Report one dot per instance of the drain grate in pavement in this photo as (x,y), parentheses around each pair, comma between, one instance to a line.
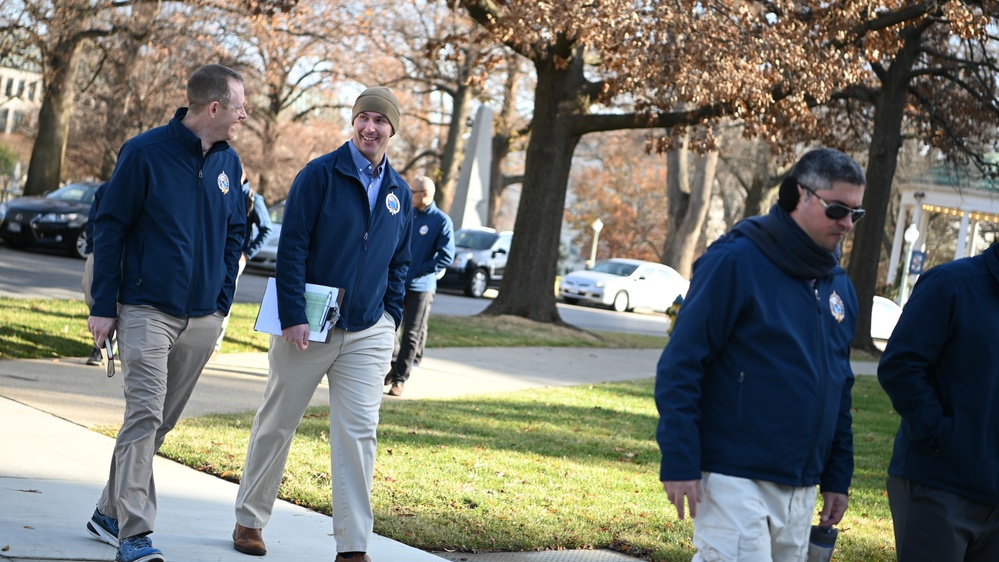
(543,556)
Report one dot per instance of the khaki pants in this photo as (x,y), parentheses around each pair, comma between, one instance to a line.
(354,364)
(162,357)
(742,520)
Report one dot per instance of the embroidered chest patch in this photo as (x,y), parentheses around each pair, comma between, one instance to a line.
(392,203)
(224,183)
(837,307)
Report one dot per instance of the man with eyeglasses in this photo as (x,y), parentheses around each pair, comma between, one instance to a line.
(432,249)
(753,388)
(168,234)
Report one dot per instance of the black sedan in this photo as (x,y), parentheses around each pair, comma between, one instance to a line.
(57,220)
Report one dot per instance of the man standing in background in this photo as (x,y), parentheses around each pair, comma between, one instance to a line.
(258,231)
(432,249)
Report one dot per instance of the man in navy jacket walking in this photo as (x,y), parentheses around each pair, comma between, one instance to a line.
(940,369)
(753,388)
(347,224)
(167,238)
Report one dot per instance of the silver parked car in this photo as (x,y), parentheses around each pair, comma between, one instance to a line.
(480,256)
(266,256)
(624,285)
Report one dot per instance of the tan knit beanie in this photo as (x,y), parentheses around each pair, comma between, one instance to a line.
(380,100)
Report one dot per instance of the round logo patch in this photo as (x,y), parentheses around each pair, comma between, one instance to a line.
(424,230)
(224,183)
(392,203)
(836,306)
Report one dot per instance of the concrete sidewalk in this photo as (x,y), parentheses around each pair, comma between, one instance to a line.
(52,468)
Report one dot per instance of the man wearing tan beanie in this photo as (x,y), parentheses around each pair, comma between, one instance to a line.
(347,224)
(378,100)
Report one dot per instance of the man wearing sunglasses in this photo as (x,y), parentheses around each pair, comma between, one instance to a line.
(753,388)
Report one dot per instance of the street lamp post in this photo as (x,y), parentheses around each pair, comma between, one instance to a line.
(910,237)
(597,225)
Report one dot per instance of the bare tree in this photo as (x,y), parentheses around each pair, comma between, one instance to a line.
(689,193)
(294,60)
(780,63)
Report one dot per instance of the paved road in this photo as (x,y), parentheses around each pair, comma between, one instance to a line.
(50,275)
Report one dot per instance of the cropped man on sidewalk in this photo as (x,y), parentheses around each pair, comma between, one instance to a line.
(940,370)
(167,239)
(347,224)
(432,249)
(96,355)
(753,388)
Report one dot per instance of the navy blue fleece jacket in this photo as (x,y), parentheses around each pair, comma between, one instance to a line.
(169,229)
(941,370)
(755,381)
(330,237)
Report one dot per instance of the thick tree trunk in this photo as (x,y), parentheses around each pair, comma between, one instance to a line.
(688,199)
(886,140)
(49,151)
(761,185)
(528,284)
(454,148)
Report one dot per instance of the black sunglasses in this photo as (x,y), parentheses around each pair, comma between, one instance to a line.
(836,211)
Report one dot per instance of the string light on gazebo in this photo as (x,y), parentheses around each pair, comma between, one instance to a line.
(988,217)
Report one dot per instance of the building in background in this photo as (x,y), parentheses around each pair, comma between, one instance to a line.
(20,98)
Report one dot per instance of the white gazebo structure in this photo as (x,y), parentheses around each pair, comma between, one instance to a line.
(970,202)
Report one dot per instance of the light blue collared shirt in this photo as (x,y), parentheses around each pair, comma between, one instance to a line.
(371,176)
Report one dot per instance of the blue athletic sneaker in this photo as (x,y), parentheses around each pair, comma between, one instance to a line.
(138,549)
(103,528)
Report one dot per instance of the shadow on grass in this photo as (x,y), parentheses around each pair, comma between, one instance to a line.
(557,468)
(38,328)
(22,341)
(528,424)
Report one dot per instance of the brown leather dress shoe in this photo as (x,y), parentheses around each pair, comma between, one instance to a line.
(356,558)
(248,541)
(397,388)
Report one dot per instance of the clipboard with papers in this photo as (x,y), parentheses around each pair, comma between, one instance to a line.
(322,308)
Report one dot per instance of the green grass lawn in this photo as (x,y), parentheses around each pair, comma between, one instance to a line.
(556,468)
(52,328)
